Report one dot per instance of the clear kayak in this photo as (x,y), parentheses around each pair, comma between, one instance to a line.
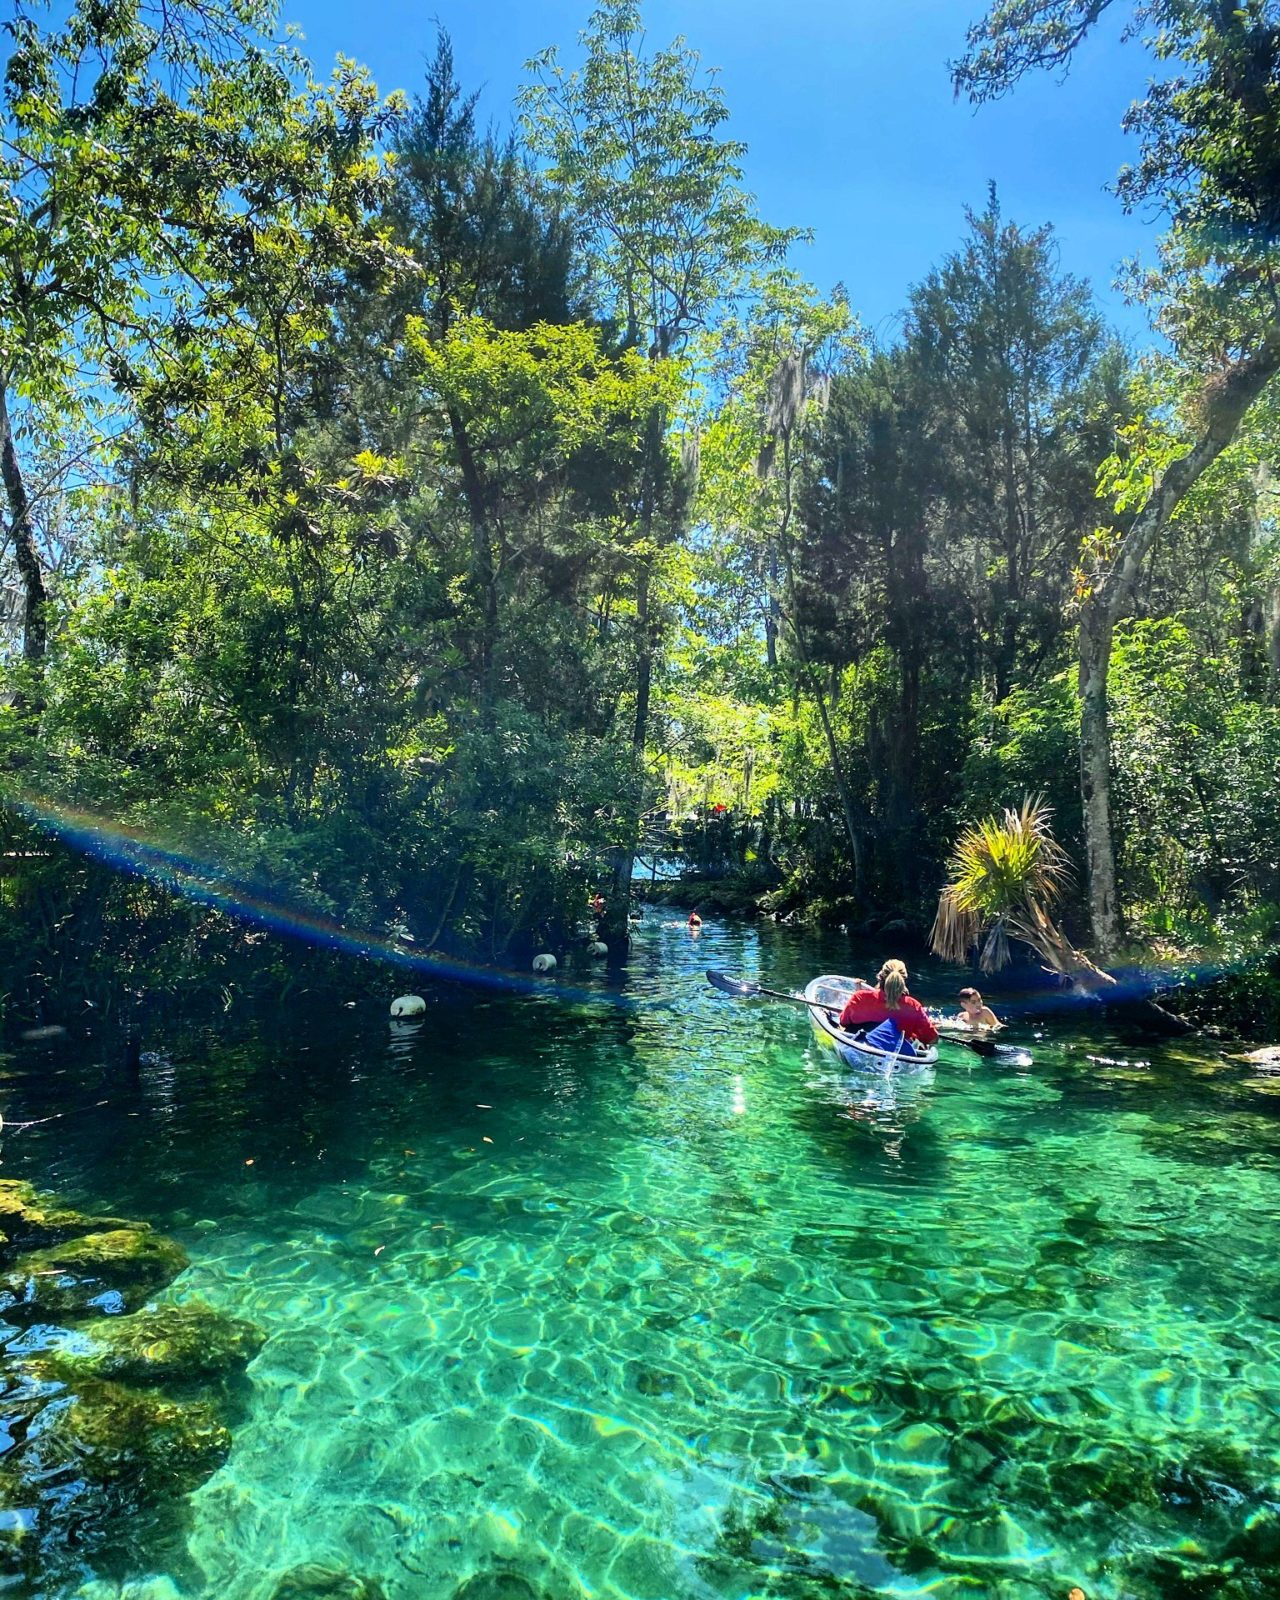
(826,997)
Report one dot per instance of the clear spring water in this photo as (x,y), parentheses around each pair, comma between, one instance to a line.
(654,1302)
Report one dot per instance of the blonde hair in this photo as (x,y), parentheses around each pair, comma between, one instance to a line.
(892,978)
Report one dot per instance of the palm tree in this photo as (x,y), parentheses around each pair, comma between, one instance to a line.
(1004,877)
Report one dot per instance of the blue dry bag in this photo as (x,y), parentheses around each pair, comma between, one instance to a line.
(887,1035)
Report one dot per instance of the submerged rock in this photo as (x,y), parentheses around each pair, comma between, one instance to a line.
(91,1459)
(29,1221)
(165,1344)
(88,1462)
(150,1446)
(496,1586)
(131,1254)
(1268,1056)
(112,1271)
(88,1443)
(315,1582)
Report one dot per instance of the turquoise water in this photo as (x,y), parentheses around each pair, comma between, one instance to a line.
(654,1301)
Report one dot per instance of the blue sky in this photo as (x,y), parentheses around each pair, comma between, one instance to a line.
(847,110)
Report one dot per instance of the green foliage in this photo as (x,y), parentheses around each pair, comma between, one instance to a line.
(1029,744)
(548,392)
(768,376)
(944,494)
(351,643)
(1198,768)
(413,532)
(1005,874)
(488,238)
(717,748)
(1196,773)
(634,141)
(180,206)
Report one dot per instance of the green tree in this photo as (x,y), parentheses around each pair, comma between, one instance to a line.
(1025,391)
(634,141)
(947,493)
(1210,133)
(767,368)
(157,173)
(488,241)
(770,368)
(862,601)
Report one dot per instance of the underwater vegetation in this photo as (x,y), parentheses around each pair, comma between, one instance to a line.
(113,1407)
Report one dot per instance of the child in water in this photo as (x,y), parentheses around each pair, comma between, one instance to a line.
(974,1014)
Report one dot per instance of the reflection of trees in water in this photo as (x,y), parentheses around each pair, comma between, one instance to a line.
(309,1098)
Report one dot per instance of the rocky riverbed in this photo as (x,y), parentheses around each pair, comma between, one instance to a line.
(114,1405)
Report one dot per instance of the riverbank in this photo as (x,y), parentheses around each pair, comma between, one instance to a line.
(1241,1001)
(749,897)
(723,897)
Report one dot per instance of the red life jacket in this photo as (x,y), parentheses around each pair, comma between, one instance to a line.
(865,1007)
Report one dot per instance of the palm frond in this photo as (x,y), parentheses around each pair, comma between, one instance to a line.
(995,948)
(1003,875)
(955,929)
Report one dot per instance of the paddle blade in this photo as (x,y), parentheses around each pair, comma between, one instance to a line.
(738,987)
(1011,1054)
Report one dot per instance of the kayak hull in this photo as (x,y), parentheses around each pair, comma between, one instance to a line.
(828,993)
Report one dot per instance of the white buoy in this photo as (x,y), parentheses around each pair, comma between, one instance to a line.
(408,1005)
(544,963)
(598,947)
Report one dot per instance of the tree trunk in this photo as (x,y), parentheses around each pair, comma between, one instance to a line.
(842,787)
(1095,779)
(614,924)
(1007,649)
(655,432)
(644,663)
(1059,955)
(906,747)
(482,570)
(810,679)
(35,624)
(907,593)
(773,611)
(1080,974)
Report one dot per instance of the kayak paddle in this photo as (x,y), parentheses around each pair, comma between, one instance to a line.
(744,989)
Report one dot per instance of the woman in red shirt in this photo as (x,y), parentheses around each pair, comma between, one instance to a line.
(889,1002)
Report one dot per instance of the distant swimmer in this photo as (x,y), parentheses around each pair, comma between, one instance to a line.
(695,921)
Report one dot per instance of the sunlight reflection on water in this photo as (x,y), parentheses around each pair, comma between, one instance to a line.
(657,1301)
